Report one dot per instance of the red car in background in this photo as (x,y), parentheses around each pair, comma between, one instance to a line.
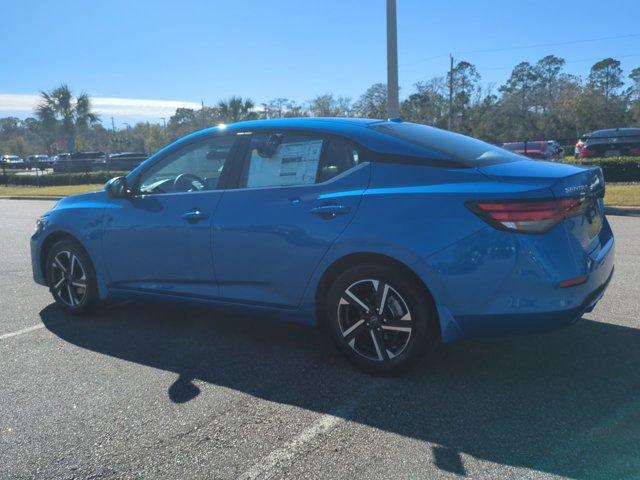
(537,149)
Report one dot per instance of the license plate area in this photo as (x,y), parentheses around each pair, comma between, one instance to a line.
(593,217)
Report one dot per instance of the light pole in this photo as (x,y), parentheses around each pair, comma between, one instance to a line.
(393,103)
(164,127)
(113,136)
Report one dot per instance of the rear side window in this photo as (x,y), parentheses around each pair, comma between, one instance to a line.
(286,159)
(467,151)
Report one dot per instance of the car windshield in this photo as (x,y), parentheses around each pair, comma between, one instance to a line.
(466,150)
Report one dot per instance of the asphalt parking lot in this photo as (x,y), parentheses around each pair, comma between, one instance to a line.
(153,391)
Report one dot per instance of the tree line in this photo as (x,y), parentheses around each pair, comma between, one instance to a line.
(537,101)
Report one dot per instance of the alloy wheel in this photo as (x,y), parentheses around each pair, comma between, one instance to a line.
(68,278)
(374,319)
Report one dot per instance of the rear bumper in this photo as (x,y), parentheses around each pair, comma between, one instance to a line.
(496,284)
(504,324)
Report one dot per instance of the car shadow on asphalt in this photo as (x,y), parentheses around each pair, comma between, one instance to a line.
(565,402)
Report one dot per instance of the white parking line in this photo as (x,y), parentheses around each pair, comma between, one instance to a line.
(270,465)
(20,332)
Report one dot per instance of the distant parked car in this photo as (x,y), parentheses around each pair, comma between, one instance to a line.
(76,162)
(61,157)
(537,149)
(612,142)
(556,149)
(13,161)
(39,161)
(123,162)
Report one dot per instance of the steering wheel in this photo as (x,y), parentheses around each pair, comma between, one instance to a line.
(189,182)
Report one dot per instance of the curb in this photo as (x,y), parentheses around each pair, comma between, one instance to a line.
(623,211)
(33,197)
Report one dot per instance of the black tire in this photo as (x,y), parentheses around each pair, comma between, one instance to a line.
(68,268)
(387,343)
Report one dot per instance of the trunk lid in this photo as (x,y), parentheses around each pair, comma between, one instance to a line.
(562,181)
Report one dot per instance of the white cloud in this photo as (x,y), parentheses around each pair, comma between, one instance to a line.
(104,106)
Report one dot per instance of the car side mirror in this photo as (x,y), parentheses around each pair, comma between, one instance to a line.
(117,188)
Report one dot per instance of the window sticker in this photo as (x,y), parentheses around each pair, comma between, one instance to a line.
(292,164)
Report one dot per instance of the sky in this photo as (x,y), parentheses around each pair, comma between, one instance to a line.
(142,59)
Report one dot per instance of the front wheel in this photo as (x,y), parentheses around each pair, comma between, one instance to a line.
(380,318)
(71,277)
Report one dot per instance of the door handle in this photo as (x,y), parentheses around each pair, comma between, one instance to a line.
(194,216)
(330,210)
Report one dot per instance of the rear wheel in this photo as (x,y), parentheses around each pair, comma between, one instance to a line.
(381,320)
(71,277)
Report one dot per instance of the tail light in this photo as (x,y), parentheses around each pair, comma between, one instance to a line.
(527,216)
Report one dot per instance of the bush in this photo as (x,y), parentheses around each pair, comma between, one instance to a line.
(569,150)
(615,169)
(55,179)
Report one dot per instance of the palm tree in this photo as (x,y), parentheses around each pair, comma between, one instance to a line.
(236,109)
(59,111)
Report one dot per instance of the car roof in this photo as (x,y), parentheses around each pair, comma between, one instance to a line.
(355,129)
(118,154)
(81,153)
(340,125)
(528,142)
(293,122)
(615,131)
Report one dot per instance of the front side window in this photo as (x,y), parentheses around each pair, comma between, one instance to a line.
(195,167)
(286,159)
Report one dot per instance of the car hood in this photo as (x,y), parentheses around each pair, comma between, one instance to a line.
(83,200)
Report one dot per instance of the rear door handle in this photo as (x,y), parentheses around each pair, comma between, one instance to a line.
(195,215)
(330,211)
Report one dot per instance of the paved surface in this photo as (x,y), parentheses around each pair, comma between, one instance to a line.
(143,391)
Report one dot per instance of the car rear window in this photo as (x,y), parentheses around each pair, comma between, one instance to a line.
(460,148)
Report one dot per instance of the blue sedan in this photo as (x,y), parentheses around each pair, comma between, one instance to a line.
(392,235)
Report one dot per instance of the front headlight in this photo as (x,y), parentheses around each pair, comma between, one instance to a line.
(41,223)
